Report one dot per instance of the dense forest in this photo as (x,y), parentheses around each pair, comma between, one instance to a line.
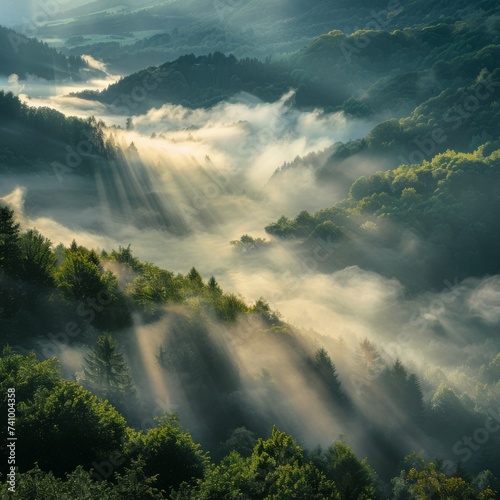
(25,57)
(51,133)
(447,205)
(175,324)
(130,38)
(43,287)
(393,71)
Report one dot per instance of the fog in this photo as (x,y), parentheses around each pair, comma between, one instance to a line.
(28,13)
(198,179)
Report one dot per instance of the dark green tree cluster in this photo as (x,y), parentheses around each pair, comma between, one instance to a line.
(78,446)
(107,374)
(448,202)
(395,70)
(201,81)
(25,56)
(73,144)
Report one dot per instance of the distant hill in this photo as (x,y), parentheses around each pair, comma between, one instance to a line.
(28,56)
(364,73)
(195,82)
(253,28)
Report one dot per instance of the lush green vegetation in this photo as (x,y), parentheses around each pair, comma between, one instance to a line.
(448,203)
(25,56)
(74,144)
(44,287)
(98,456)
(369,71)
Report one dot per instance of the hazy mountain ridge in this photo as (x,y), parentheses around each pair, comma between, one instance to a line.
(242,30)
(399,274)
(394,72)
(27,56)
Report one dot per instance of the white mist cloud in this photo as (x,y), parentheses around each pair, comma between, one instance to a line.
(256,137)
(485,301)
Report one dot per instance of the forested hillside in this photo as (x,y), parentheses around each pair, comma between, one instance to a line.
(370,71)
(246,29)
(43,287)
(174,324)
(25,56)
(447,205)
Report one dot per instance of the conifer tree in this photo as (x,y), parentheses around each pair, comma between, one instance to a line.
(106,373)
(9,238)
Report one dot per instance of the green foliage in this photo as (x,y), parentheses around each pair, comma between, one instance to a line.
(39,485)
(27,374)
(195,278)
(249,244)
(169,453)
(73,421)
(228,307)
(9,238)
(275,470)
(154,286)
(353,478)
(53,140)
(22,56)
(53,414)
(37,262)
(80,275)
(327,377)
(106,373)
(124,256)
(327,231)
(241,440)
(427,481)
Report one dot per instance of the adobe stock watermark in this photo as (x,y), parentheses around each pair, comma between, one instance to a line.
(103,470)
(125,104)
(379,21)
(453,119)
(42,12)
(87,310)
(75,155)
(224,8)
(465,448)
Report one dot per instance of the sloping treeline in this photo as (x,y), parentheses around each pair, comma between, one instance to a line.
(447,204)
(43,288)
(367,72)
(25,56)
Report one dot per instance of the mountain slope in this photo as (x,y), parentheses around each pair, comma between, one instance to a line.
(367,72)
(246,29)
(27,56)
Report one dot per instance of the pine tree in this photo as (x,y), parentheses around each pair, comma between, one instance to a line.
(327,369)
(9,238)
(368,366)
(195,277)
(107,373)
(214,286)
(328,374)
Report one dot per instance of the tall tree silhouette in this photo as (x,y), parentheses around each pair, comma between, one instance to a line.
(107,373)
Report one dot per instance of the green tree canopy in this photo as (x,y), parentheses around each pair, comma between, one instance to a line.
(107,373)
